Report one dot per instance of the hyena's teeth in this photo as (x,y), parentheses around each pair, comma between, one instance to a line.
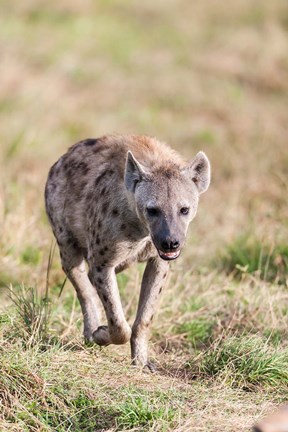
(169,255)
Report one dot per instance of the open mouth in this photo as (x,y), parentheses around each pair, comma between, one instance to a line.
(169,255)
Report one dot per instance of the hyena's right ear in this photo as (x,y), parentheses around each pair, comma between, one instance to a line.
(134,172)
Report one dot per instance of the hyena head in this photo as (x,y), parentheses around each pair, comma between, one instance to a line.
(166,199)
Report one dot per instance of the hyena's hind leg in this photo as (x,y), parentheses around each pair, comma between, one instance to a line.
(74,266)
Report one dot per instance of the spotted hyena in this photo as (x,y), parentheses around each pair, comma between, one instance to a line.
(114,201)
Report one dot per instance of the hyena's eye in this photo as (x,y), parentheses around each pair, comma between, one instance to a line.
(184,210)
(153,211)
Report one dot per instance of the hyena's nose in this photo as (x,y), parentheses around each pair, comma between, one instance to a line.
(169,245)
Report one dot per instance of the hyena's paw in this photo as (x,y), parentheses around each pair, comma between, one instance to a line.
(140,360)
(120,334)
(101,336)
(139,354)
(148,366)
(88,336)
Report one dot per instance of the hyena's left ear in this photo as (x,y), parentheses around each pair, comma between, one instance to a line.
(199,171)
(134,172)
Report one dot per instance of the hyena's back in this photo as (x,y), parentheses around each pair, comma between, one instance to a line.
(86,182)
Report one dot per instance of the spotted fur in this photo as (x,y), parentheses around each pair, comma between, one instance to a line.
(114,201)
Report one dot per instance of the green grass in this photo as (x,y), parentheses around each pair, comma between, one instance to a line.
(246,362)
(197,332)
(48,391)
(140,410)
(275,336)
(59,406)
(247,254)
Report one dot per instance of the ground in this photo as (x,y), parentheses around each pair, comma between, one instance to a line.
(201,75)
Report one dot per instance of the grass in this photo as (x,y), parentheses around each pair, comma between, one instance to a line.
(36,393)
(140,410)
(213,79)
(197,332)
(246,362)
(60,406)
(249,255)
(32,315)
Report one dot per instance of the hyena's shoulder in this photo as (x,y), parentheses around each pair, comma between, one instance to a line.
(86,156)
(87,162)
(82,161)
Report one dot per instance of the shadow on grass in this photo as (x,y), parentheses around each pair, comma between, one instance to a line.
(182,373)
(90,419)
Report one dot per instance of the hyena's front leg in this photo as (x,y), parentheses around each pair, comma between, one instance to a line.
(153,280)
(118,330)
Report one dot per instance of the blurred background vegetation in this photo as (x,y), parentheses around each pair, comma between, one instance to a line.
(206,75)
(199,75)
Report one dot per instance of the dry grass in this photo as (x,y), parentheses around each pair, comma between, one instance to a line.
(199,75)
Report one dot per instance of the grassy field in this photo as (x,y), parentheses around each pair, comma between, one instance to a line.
(200,75)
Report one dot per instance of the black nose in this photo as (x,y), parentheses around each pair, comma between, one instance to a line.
(169,245)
